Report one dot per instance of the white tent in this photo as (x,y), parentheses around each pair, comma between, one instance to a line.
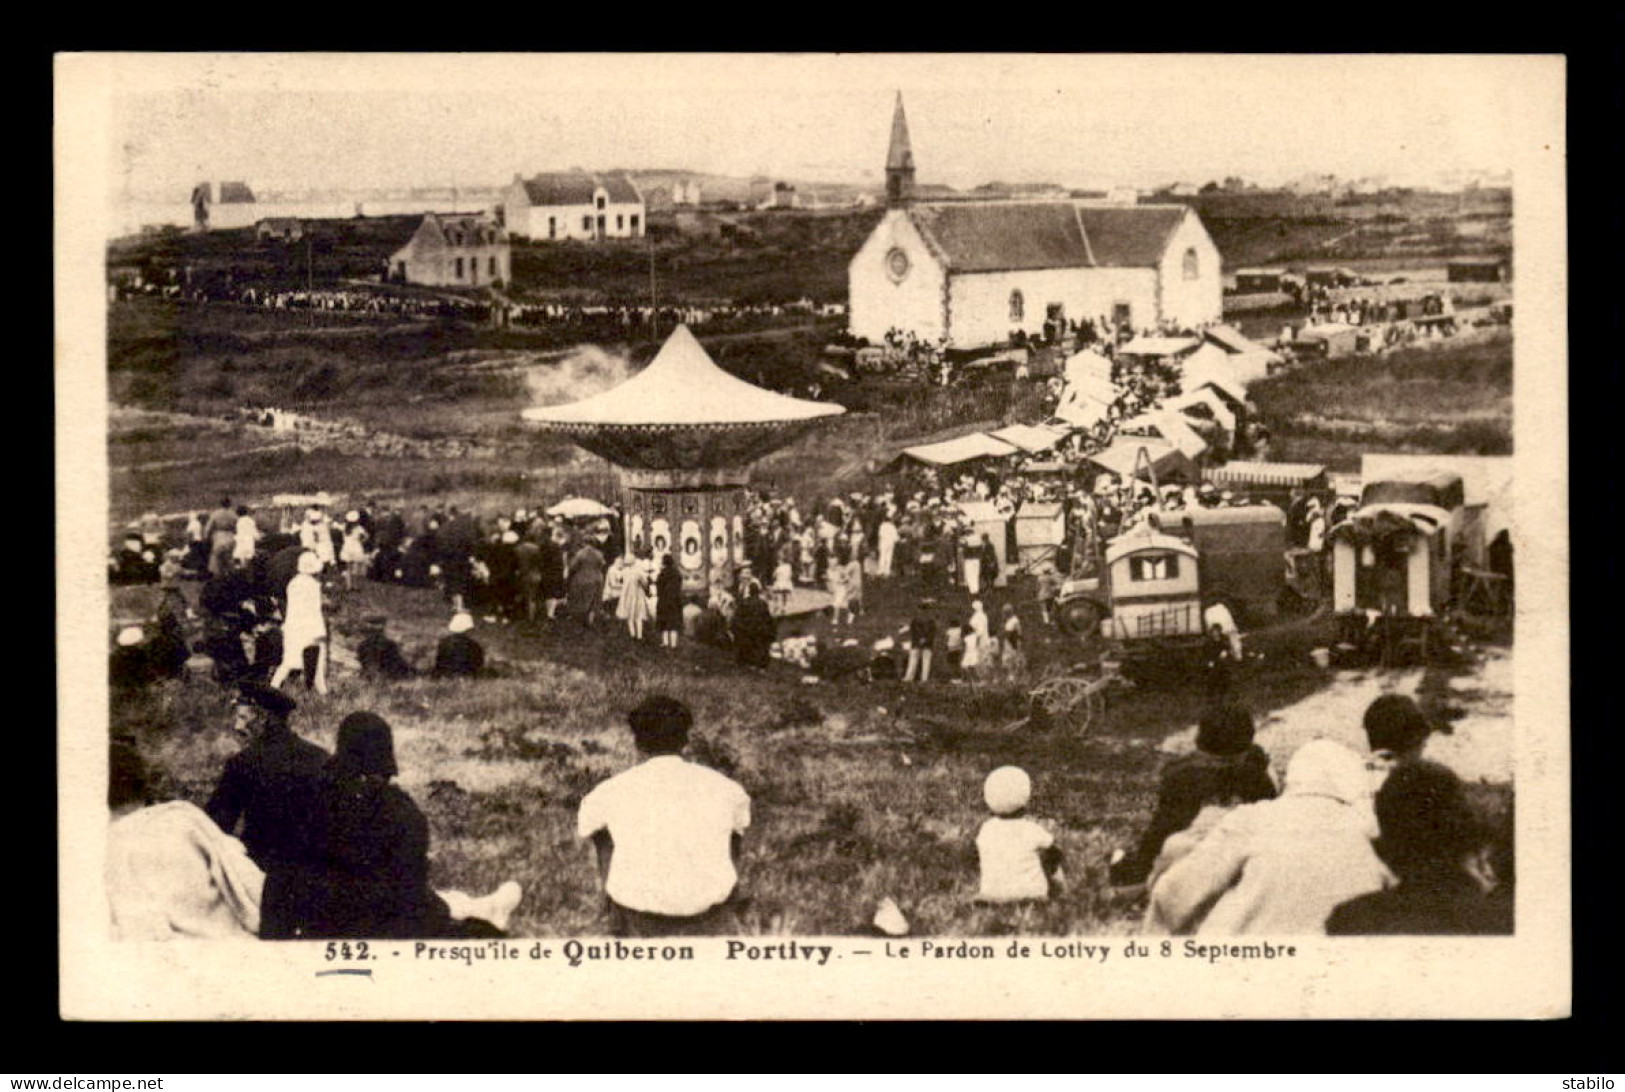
(1169,426)
(1082,412)
(1221,412)
(1233,341)
(1031,438)
(1211,362)
(977,445)
(1087,364)
(1160,346)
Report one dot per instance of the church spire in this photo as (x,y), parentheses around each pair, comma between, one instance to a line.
(899,160)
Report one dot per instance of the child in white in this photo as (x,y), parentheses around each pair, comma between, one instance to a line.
(1018,857)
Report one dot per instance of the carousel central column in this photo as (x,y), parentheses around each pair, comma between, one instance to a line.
(698,516)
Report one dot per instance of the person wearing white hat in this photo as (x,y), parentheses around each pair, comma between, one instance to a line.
(354,552)
(1018,857)
(458,655)
(304,629)
(316,535)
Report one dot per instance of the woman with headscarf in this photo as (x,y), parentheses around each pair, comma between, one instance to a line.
(304,629)
(1279,866)
(586,582)
(635,607)
(370,848)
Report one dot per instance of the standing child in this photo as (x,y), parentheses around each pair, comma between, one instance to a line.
(1019,858)
(783,584)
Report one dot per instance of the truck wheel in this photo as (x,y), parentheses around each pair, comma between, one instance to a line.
(1081,618)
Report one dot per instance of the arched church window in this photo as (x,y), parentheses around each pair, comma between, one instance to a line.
(1192,266)
(1018,306)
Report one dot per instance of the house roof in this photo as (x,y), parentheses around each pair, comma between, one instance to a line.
(236,193)
(578,188)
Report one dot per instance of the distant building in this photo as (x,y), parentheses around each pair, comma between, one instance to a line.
(453,250)
(685,192)
(286,229)
(223,206)
(781,196)
(977,271)
(573,205)
(1477,270)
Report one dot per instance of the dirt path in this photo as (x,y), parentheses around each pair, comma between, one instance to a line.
(1478,747)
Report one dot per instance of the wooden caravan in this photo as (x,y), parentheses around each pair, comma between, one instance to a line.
(1155,588)
(1040,531)
(1397,553)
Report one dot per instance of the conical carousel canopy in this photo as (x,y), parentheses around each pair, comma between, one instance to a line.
(682,412)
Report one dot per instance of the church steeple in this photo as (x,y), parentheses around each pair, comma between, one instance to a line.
(899,160)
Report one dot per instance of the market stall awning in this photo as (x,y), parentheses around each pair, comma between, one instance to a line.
(1247,472)
(1233,341)
(1160,346)
(1170,427)
(1165,458)
(962,449)
(1031,438)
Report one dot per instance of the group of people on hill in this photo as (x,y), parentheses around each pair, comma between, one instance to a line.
(294,843)
(1387,844)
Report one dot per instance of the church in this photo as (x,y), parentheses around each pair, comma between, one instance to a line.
(975,272)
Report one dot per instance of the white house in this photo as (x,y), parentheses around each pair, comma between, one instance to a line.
(228,205)
(466,249)
(976,272)
(573,205)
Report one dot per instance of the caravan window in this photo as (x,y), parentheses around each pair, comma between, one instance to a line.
(1153,567)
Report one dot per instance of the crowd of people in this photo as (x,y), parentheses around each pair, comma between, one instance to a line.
(296,843)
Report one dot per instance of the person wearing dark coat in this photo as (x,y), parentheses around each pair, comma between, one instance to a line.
(553,586)
(755,629)
(388,538)
(381,657)
(270,785)
(1432,841)
(669,602)
(170,650)
(368,872)
(459,656)
(1228,768)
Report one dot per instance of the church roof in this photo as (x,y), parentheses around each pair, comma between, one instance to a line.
(977,238)
(681,387)
(1133,235)
(984,237)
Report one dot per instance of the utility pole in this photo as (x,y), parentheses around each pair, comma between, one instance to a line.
(654,298)
(310,293)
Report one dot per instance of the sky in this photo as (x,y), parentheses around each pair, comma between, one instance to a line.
(360,121)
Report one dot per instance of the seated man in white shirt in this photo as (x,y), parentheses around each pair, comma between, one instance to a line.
(666,833)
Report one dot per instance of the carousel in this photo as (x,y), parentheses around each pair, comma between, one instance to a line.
(684,434)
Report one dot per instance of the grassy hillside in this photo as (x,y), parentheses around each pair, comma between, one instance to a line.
(1454,399)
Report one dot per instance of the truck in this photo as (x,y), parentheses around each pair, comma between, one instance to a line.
(1151,588)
